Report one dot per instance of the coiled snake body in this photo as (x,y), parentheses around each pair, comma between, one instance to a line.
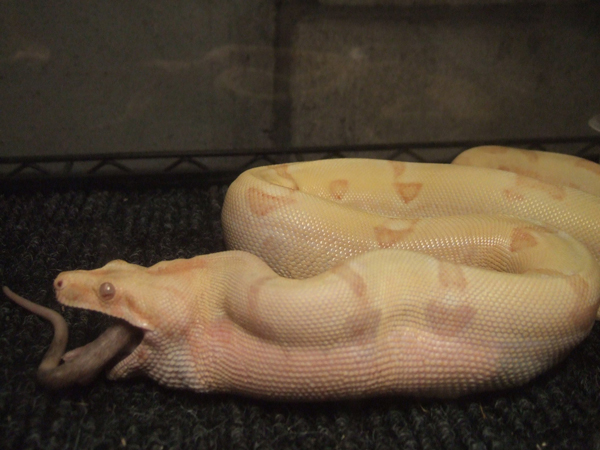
(354,277)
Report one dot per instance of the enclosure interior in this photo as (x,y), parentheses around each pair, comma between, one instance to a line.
(122,124)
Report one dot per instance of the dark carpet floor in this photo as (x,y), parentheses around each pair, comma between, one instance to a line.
(47,230)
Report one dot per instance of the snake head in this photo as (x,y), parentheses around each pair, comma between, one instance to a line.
(118,289)
(149,298)
(164,301)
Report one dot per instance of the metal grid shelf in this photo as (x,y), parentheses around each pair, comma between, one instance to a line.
(211,166)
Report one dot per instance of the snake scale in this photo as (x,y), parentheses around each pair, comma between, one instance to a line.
(358,277)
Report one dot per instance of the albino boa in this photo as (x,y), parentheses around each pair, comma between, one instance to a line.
(425,279)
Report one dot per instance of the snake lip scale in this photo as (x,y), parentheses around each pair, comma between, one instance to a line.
(352,278)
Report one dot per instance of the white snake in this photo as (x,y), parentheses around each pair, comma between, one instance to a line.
(420,279)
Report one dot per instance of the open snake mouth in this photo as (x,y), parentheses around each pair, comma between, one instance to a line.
(82,365)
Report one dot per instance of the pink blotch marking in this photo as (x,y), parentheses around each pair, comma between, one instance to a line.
(338,188)
(579,285)
(531,155)
(398,167)
(583,313)
(513,195)
(178,265)
(496,150)
(388,238)
(520,171)
(521,239)
(364,321)
(448,320)
(271,245)
(407,191)
(354,280)
(219,330)
(451,276)
(556,192)
(261,203)
(282,171)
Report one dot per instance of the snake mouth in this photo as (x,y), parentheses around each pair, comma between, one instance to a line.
(82,365)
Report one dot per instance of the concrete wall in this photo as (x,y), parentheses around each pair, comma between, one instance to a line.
(412,3)
(109,76)
(428,74)
(104,76)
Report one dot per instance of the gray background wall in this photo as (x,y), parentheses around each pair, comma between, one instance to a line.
(109,76)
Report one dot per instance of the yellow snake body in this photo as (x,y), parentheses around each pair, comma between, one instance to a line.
(363,277)
(504,281)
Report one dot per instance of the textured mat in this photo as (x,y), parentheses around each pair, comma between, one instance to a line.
(45,232)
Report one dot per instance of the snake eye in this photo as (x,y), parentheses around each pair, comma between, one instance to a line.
(107,291)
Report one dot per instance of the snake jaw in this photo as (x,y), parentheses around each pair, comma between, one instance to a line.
(84,290)
(156,302)
(60,370)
